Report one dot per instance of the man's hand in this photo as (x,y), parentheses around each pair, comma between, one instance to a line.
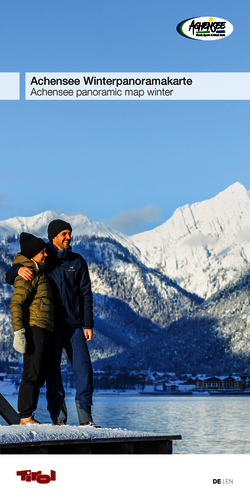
(26,273)
(88,334)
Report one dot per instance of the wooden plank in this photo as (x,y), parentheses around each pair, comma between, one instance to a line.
(7,412)
(115,446)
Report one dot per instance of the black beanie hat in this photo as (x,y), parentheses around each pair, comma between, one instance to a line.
(56,226)
(30,245)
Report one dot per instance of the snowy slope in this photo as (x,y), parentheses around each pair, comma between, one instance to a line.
(204,245)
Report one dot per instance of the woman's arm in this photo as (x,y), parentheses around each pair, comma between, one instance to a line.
(20,302)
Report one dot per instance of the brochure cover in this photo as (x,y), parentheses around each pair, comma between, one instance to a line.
(129,121)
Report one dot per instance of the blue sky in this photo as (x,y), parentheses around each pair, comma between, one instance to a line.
(128,163)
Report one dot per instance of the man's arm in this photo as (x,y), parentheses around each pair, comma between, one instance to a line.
(18,269)
(85,287)
(12,274)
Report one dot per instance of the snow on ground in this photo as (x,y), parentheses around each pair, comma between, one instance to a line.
(34,433)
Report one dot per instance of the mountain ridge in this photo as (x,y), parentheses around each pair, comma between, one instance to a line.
(203,245)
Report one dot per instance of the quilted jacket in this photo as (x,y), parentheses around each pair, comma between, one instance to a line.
(32,301)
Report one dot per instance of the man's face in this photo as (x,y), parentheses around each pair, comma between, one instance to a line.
(41,256)
(62,240)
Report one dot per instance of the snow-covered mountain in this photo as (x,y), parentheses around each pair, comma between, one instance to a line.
(145,315)
(81,225)
(202,246)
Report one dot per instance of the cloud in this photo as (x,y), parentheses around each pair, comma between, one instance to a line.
(129,221)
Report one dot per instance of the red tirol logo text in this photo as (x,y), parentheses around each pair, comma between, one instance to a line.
(28,476)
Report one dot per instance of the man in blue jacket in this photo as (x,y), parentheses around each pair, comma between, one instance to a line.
(73,304)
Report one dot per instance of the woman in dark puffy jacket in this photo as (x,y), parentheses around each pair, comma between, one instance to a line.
(32,315)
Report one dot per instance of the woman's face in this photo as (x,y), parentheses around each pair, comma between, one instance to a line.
(41,256)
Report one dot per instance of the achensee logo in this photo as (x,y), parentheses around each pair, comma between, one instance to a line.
(205,28)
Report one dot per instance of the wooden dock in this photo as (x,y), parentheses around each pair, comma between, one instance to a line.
(7,412)
(154,444)
(99,446)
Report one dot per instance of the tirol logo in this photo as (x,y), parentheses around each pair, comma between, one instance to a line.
(28,476)
(205,28)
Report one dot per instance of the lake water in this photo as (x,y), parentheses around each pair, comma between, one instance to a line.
(207,424)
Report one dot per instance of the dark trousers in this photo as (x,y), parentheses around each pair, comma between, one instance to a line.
(35,369)
(75,345)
